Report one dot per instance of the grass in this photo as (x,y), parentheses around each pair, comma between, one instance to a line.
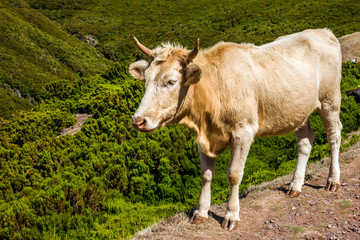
(350,141)
(343,212)
(276,208)
(346,203)
(295,229)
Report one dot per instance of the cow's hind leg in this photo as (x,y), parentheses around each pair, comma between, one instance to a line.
(241,142)
(207,171)
(333,128)
(305,137)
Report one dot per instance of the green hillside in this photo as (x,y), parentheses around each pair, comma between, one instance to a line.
(43,40)
(34,51)
(109,180)
(113,22)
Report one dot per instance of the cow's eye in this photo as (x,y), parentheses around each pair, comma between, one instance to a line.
(169,83)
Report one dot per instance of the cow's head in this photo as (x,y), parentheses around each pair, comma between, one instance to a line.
(167,79)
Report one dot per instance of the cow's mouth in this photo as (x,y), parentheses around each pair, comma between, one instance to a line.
(147,125)
(147,130)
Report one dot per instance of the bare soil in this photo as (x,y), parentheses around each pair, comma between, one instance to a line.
(81,118)
(267,214)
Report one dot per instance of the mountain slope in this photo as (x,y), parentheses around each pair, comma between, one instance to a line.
(34,51)
(113,22)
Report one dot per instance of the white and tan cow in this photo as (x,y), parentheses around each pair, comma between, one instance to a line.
(231,93)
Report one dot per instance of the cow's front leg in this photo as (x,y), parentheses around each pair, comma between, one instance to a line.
(241,142)
(207,171)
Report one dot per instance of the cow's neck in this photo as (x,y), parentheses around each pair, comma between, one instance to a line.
(203,113)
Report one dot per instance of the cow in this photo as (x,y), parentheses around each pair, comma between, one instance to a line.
(231,93)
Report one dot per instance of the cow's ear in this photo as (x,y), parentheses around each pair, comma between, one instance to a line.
(193,74)
(137,69)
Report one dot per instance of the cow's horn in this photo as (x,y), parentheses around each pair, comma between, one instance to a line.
(194,52)
(144,49)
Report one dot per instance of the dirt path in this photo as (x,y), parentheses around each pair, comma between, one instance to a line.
(81,118)
(267,214)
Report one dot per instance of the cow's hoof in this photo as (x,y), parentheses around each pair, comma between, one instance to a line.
(229,225)
(198,220)
(332,187)
(292,193)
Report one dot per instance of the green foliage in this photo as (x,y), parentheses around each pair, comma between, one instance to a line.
(58,178)
(44,41)
(113,22)
(109,181)
(350,110)
(35,51)
(11,103)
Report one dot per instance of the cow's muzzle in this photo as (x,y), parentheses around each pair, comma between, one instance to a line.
(144,124)
(139,123)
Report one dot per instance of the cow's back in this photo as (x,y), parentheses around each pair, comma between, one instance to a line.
(322,49)
(278,85)
(302,70)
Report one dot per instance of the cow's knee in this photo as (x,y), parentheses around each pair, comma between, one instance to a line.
(335,138)
(304,146)
(206,176)
(234,177)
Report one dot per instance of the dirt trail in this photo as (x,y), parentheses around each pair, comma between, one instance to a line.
(267,214)
(81,118)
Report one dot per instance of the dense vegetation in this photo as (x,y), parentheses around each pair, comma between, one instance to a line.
(43,40)
(34,51)
(108,181)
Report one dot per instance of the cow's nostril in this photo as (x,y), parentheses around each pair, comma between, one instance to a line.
(139,123)
(142,122)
